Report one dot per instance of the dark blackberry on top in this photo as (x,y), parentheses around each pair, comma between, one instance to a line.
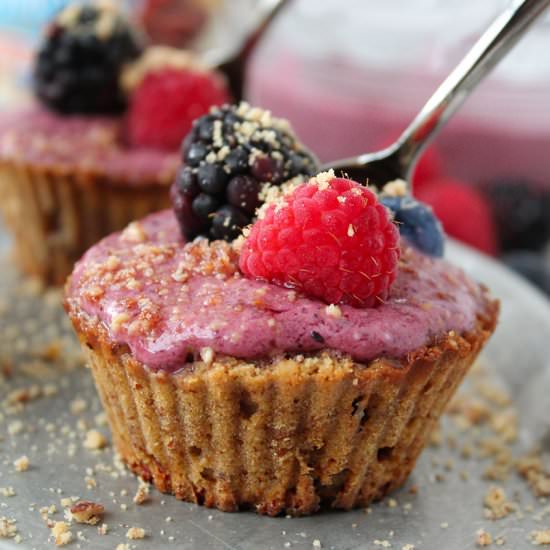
(230,157)
(78,66)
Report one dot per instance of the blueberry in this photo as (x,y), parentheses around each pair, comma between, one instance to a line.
(522,214)
(417,223)
(532,266)
(237,160)
(243,192)
(212,178)
(204,205)
(195,154)
(228,222)
(187,182)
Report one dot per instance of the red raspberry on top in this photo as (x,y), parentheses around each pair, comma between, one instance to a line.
(168,91)
(329,238)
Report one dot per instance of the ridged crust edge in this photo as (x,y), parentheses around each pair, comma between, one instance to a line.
(286,435)
(55,216)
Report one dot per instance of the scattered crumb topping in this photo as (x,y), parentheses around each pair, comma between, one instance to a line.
(395,188)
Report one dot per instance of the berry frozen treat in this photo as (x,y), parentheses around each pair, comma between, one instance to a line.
(302,365)
(100,146)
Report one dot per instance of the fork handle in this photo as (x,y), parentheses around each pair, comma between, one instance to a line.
(493,45)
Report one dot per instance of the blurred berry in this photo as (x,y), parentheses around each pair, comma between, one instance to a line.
(522,214)
(417,223)
(534,267)
(464,212)
(429,167)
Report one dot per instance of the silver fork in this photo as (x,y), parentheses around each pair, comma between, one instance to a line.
(398,160)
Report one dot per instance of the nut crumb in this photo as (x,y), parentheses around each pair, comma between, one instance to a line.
(61,533)
(483,538)
(334,311)
(7,491)
(95,440)
(85,511)
(8,528)
(541,537)
(135,533)
(496,505)
(207,355)
(142,493)
(21,464)
(78,406)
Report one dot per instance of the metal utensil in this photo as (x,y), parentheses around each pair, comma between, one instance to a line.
(233,63)
(398,160)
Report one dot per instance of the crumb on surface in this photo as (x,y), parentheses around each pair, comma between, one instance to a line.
(142,493)
(61,533)
(541,537)
(21,464)
(496,504)
(483,538)
(95,440)
(85,511)
(135,533)
(8,528)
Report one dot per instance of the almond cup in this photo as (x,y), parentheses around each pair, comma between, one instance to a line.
(289,435)
(56,213)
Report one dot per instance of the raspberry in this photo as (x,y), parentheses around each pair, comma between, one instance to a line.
(229,155)
(165,103)
(329,238)
(463,211)
(78,65)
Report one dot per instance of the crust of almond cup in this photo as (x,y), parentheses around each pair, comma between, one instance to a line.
(56,214)
(285,435)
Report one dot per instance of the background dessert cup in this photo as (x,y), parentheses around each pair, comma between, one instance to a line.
(88,158)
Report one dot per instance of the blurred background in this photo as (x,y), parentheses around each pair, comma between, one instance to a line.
(351,74)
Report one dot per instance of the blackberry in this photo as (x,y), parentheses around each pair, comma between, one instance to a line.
(417,223)
(78,65)
(229,155)
(522,214)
